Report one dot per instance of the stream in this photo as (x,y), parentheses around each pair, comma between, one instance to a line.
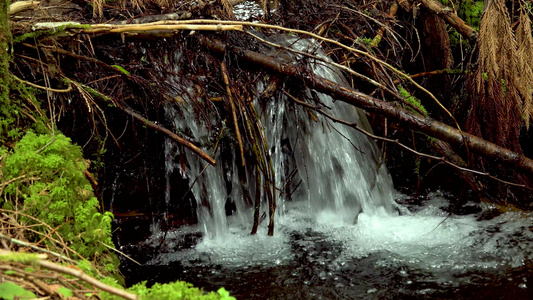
(417,254)
(343,233)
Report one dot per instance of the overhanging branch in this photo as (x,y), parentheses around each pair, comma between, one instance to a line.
(412,121)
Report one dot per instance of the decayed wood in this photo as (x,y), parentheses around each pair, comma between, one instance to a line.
(412,121)
(451,18)
(21,6)
(153,29)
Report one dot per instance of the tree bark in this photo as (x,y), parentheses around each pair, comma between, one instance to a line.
(425,125)
(5,44)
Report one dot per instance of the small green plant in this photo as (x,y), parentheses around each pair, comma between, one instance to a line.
(416,170)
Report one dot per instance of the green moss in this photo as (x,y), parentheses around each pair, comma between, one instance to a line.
(471,12)
(59,195)
(50,32)
(5,58)
(16,116)
(412,100)
(19,257)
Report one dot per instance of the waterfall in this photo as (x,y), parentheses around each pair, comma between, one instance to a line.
(334,168)
(340,167)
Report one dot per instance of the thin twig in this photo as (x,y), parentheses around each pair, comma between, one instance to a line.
(224,71)
(90,280)
(22,243)
(43,87)
(172,135)
(122,253)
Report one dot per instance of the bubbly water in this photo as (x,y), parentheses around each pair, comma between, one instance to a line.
(342,234)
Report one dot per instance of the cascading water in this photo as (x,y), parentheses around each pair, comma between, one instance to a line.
(339,167)
(340,235)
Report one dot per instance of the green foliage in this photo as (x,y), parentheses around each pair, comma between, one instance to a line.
(412,100)
(224,295)
(5,79)
(9,291)
(56,192)
(174,290)
(13,116)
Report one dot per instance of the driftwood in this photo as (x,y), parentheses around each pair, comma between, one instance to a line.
(412,121)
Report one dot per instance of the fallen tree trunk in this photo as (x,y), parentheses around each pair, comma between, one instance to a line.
(412,121)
